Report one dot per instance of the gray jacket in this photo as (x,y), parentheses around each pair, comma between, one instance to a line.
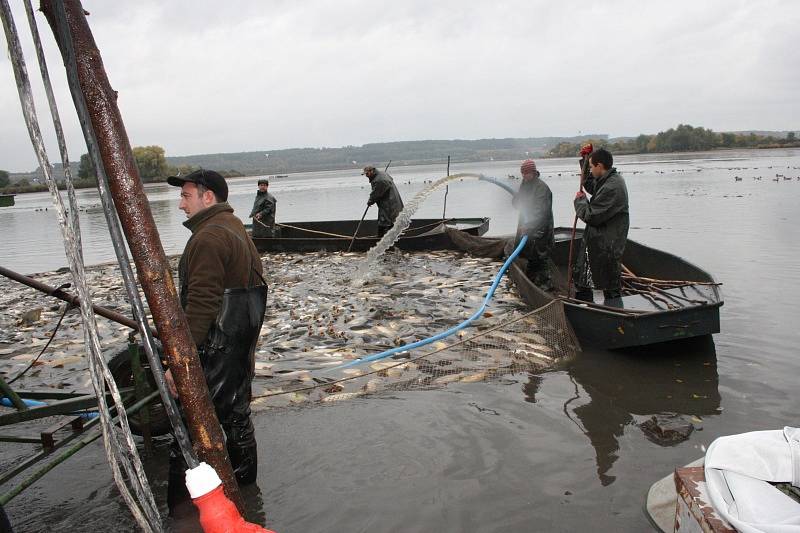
(385,194)
(535,203)
(607,221)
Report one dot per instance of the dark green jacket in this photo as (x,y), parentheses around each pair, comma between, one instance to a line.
(607,221)
(218,256)
(265,204)
(385,194)
(535,203)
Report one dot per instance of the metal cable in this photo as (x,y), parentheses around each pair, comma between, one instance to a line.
(145,510)
(67,307)
(118,242)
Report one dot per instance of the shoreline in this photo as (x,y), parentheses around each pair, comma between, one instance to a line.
(10,189)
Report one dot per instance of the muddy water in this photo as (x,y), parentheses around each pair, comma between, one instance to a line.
(558,450)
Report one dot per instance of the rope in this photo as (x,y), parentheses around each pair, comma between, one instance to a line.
(411,360)
(145,510)
(338,236)
(67,307)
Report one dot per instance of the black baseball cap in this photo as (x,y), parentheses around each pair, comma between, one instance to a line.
(207,178)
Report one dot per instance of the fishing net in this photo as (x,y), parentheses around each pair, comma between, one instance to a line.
(516,342)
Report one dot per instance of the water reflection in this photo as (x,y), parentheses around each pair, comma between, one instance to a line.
(612,389)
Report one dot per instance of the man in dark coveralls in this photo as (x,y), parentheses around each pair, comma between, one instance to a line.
(385,194)
(263,212)
(535,203)
(599,261)
(223,295)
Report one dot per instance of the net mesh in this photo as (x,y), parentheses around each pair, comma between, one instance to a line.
(518,341)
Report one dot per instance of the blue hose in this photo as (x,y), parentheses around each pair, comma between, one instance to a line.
(36,403)
(452,330)
(499,183)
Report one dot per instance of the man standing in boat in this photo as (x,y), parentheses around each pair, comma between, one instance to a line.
(535,203)
(224,296)
(385,194)
(599,261)
(263,212)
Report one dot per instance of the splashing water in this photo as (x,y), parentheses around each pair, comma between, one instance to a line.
(401,224)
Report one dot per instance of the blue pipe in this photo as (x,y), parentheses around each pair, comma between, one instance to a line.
(452,330)
(499,183)
(36,403)
(30,403)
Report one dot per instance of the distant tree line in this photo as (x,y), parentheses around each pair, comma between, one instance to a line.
(150,160)
(154,165)
(684,138)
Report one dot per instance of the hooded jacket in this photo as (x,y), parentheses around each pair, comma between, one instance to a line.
(385,194)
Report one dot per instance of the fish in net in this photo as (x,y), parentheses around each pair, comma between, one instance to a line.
(518,342)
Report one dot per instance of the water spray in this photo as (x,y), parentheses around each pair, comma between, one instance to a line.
(403,220)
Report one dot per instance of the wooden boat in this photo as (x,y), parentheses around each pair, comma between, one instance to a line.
(335,236)
(684,310)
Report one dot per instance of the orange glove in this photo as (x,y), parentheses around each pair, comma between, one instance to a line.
(587,149)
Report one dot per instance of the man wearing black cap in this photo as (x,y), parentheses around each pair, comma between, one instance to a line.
(385,194)
(223,295)
(263,212)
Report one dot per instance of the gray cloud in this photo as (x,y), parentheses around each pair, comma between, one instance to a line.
(196,78)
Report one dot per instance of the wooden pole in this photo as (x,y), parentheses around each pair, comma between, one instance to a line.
(584,165)
(446,190)
(358,228)
(73,35)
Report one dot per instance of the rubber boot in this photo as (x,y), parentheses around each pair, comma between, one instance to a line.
(584,294)
(242,449)
(612,294)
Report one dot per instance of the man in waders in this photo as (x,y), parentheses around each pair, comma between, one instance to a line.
(263,212)
(385,194)
(535,203)
(599,261)
(224,297)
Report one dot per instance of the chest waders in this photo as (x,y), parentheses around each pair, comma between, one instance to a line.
(228,360)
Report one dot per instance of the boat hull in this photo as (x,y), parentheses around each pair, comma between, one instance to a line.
(632,320)
(335,236)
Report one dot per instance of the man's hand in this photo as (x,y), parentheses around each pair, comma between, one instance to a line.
(580,194)
(171,383)
(369,203)
(258,216)
(586,149)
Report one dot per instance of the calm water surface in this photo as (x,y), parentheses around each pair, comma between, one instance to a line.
(559,451)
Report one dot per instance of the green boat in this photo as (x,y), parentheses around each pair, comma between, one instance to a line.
(6,200)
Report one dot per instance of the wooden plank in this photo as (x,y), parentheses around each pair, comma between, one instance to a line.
(694,513)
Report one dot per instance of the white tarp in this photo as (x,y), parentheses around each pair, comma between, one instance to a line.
(737,470)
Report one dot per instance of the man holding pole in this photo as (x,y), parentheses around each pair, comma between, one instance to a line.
(263,212)
(535,203)
(223,295)
(599,260)
(385,194)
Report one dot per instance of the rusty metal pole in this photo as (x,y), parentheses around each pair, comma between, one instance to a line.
(140,230)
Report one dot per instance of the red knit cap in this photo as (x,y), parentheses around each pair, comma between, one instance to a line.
(528,167)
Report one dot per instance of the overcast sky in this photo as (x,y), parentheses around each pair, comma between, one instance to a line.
(204,77)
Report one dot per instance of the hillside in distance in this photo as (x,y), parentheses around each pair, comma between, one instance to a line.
(378,154)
